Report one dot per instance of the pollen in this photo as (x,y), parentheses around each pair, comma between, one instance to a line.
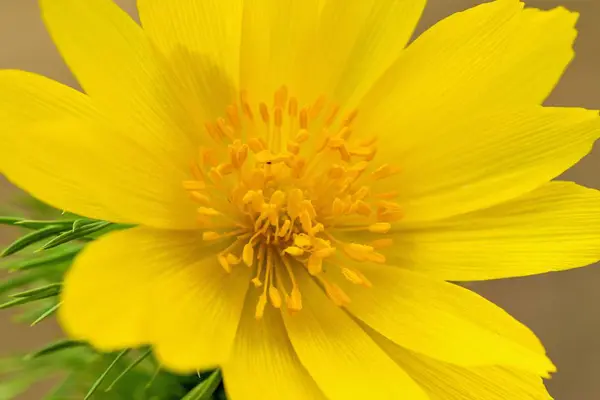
(283,187)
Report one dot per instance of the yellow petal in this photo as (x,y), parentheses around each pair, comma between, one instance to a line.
(143,286)
(444,381)
(443,321)
(201,41)
(473,161)
(339,355)
(57,146)
(553,228)
(263,364)
(356,42)
(277,40)
(119,68)
(494,54)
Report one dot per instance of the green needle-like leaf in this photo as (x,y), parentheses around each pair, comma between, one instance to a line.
(45,314)
(54,347)
(206,388)
(52,290)
(131,366)
(78,224)
(32,238)
(36,224)
(9,220)
(24,300)
(153,378)
(77,234)
(103,376)
(53,258)
(15,302)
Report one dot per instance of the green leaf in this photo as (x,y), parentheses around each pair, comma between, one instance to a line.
(154,376)
(37,224)
(46,314)
(9,220)
(77,234)
(131,366)
(32,238)
(112,227)
(54,347)
(79,223)
(205,389)
(52,289)
(24,300)
(53,258)
(32,311)
(103,376)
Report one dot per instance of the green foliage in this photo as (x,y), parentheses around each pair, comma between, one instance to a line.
(36,263)
(58,232)
(78,231)
(81,369)
(31,238)
(205,389)
(104,374)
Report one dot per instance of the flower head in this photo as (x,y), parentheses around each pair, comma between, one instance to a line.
(304,187)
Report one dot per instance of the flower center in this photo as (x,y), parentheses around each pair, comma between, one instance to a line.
(281,184)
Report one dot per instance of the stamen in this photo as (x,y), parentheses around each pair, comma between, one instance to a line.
(358,252)
(314,265)
(294,251)
(334,292)
(248,254)
(224,263)
(302,136)
(390,216)
(200,197)
(282,195)
(232,115)
(278,120)
(260,306)
(209,212)
(384,171)
(302,240)
(233,260)
(362,208)
(268,286)
(281,97)
(293,107)
(380,227)
(256,145)
(256,280)
(264,112)
(338,207)
(210,236)
(304,119)
(350,118)
(285,228)
(295,301)
(275,297)
(355,277)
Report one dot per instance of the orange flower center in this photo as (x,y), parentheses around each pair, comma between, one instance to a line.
(281,183)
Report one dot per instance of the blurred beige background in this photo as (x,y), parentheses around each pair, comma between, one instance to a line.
(563,308)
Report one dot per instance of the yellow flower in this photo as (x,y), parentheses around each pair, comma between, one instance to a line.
(304,187)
